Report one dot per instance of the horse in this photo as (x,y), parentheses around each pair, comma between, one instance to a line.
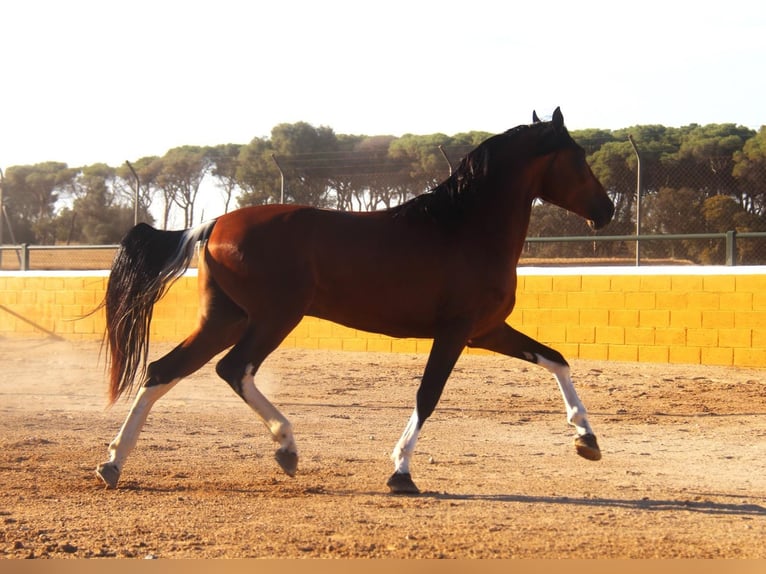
(440,266)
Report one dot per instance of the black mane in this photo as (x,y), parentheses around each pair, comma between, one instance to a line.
(448,201)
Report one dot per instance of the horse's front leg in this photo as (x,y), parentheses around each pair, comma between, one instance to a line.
(444,354)
(508,341)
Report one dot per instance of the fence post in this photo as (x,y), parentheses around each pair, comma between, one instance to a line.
(638,199)
(731,248)
(25,257)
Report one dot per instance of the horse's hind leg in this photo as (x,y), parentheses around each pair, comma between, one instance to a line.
(238,369)
(214,334)
(508,341)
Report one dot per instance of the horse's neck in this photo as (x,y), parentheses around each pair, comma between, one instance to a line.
(503,221)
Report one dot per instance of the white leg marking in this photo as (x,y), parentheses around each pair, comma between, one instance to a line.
(406,445)
(126,439)
(577,416)
(279,427)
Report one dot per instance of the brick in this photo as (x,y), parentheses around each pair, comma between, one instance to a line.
(672,300)
(404,346)
(759,301)
(758,338)
(331,343)
(737,337)
(551,334)
(542,284)
(319,329)
(750,320)
(64,297)
(686,318)
(702,337)
(655,283)
(655,354)
(596,283)
(624,283)
(736,302)
(639,300)
(54,284)
(670,336)
(565,316)
(527,301)
(552,301)
(594,352)
(686,283)
(640,336)
(717,356)
(654,318)
(704,301)
(566,283)
(568,349)
(689,355)
(423,345)
(357,344)
(754,283)
(609,300)
(623,353)
(536,316)
(610,335)
(718,319)
(577,334)
(379,345)
(719,283)
(624,317)
(595,317)
(755,357)
(579,300)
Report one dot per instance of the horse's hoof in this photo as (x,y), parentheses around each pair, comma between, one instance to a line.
(401,483)
(288,461)
(109,473)
(587,447)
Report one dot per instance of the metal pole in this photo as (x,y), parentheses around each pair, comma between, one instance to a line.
(282,179)
(638,200)
(135,197)
(731,248)
(449,163)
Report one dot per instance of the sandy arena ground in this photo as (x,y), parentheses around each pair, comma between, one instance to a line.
(683,472)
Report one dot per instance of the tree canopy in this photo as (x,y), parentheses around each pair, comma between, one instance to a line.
(695,178)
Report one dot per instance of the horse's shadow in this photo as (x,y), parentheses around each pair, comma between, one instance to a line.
(743,509)
(647,504)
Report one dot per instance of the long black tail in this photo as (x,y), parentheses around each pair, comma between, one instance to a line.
(146,265)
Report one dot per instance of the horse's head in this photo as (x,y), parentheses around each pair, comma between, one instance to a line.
(564,178)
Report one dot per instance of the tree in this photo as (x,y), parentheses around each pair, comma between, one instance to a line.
(257,174)
(224,161)
(147,168)
(750,171)
(303,152)
(30,195)
(181,173)
(705,157)
(97,215)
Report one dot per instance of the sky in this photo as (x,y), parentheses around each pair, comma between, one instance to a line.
(86,82)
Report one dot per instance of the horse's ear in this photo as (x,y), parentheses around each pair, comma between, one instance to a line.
(558,119)
(535,119)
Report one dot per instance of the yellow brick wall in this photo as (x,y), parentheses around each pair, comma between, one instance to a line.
(687,315)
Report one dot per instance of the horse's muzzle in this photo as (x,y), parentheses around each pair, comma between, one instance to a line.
(602,214)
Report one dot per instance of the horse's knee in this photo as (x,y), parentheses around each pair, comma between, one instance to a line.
(232,373)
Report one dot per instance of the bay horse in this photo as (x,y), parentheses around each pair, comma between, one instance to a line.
(441,266)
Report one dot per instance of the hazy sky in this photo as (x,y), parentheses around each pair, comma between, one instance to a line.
(108,81)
